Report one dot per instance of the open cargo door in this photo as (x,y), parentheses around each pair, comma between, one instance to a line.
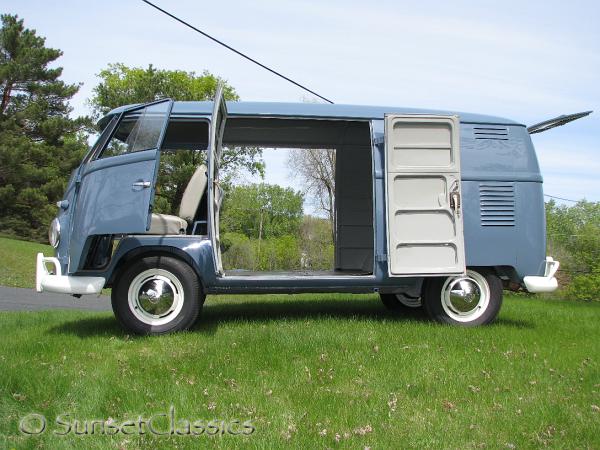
(215,192)
(424,217)
(556,122)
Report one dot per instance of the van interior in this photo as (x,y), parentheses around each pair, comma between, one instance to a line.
(353,237)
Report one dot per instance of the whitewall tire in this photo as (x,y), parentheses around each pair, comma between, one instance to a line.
(157,295)
(471,299)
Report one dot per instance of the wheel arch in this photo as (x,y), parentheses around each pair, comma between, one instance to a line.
(151,250)
(507,275)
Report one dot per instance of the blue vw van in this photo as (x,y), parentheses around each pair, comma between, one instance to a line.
(436,210)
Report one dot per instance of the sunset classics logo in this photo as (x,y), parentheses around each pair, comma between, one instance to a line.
(159,424)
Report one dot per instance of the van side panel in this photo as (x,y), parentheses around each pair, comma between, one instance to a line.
(485,246)
(531,249)
(503,201)
(497,153)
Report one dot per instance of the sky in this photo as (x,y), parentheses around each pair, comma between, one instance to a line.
(528,61)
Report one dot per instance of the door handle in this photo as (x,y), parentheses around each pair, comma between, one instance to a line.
(142,184)
(455,201)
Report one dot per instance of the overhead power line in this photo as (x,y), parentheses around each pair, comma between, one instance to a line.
(561,198)
(243,55)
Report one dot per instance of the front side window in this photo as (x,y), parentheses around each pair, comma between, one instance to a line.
(138,130)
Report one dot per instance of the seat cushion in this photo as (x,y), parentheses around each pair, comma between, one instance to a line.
(166,224)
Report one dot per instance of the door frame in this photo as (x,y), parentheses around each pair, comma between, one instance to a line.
(214,189)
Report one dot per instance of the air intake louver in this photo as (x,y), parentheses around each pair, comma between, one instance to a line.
(492,132)
(497,204)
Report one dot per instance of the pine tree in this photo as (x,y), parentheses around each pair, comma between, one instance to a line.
(39,143)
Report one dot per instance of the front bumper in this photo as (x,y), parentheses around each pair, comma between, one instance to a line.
(548,282)
(63,284)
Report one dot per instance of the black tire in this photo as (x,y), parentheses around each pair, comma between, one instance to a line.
(441,308)
(395,303)
(150,278)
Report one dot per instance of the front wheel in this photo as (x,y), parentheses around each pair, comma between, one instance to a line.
(157,295)
(472,299)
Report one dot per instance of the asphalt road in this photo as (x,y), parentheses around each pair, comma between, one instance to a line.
(19,299)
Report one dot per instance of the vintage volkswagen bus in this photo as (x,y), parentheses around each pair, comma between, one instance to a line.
(434,209)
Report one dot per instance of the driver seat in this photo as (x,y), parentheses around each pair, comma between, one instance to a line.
(190,201)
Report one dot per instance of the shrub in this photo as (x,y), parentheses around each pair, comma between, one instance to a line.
(574,239)
(584,287)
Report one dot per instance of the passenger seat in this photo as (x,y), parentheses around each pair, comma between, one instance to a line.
(190,201)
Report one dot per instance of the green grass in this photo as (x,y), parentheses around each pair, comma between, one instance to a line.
(309,371)
(308,368)
(17,258)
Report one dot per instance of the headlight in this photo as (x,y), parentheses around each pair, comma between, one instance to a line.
(54,233)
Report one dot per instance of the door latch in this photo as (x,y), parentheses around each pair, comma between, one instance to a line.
(455,200)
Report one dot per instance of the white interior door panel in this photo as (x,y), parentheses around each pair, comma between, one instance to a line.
(424,218)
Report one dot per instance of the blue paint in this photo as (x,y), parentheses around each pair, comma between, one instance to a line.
(108,203)
(307,110)
(496,153)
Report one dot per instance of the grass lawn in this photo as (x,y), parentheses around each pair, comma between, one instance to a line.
(18,261)
(308,371)
(312,371)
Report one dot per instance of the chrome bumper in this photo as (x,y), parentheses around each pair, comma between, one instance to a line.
(548,282)
(63,284)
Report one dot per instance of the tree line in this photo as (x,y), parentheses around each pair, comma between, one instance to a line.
(263,228)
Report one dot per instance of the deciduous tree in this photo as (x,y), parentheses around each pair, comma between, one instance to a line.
(262,211)
(123,85)
(316,170)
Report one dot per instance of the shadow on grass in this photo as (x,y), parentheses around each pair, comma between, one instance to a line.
(217,314)
(513,323)
(92,327)
(356,310)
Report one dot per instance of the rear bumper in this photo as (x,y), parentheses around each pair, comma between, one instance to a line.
(548,282)
(63,284)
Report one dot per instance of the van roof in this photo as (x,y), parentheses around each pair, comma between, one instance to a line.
(314,110)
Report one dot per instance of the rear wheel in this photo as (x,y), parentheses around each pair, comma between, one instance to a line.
(472,299)
(157,295)
(399,302)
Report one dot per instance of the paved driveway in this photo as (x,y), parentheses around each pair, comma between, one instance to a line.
(19,299)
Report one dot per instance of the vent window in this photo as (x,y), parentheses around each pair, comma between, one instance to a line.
(491,132)
(497,204)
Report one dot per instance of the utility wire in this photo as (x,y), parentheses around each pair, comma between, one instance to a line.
(235,51)
(561,198)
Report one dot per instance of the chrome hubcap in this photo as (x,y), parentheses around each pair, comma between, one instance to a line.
(155,296)
(464,295)
(466,298)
